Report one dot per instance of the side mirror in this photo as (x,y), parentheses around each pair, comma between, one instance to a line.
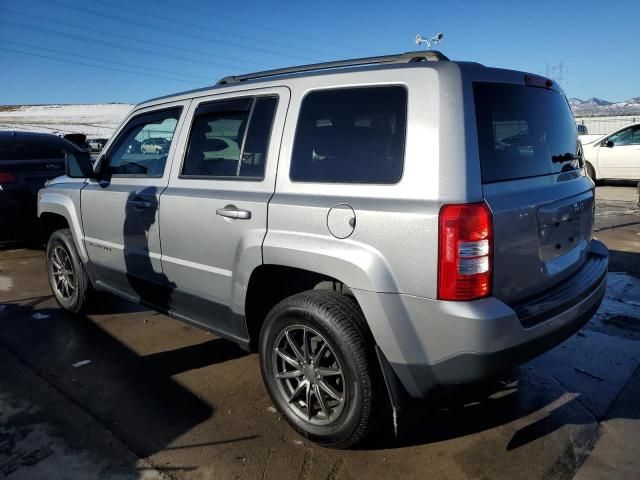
(78,165)
(607,143)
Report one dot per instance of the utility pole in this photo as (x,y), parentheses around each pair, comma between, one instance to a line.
(556,72)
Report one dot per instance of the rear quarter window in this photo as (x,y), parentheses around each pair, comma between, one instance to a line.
(523,131)
(351,135)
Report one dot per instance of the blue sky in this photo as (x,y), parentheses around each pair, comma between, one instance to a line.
(177,45)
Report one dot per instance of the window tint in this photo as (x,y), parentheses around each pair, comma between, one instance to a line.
(34,147)
(353,135)
(628,136)
(230,138)
(142,147)
(523,132)
(257,141)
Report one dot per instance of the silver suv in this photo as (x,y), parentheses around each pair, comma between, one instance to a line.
(371,227)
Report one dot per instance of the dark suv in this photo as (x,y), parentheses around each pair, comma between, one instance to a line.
(27,161)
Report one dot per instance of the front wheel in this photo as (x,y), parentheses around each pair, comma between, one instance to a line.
(318,363)
(68,279)
(591,172)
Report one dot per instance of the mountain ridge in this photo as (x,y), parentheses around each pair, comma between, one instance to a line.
(598,107)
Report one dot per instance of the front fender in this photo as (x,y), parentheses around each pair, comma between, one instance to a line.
(64,200)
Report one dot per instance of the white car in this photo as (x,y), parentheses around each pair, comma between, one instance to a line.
(614,156)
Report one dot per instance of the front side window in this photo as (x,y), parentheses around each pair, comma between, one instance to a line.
(230,138)
(628,136)
(351,135)
(142,147)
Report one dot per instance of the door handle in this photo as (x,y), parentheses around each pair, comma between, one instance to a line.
(231,211)
(139,203)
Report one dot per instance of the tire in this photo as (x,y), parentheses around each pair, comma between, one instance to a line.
(335,319)
(591,172)
(74,288)
(143,151)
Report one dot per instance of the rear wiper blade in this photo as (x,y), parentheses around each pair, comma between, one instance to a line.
(565,157)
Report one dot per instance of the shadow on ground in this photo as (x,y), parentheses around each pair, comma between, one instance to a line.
(133,396)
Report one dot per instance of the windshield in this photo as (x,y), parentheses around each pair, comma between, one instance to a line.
(523,131)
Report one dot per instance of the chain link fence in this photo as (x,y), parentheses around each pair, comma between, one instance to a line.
(604,125)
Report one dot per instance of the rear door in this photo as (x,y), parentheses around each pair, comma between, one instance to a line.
(621,157)
(120,211)
(541,201)
(214,212)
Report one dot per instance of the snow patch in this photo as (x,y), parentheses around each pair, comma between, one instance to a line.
(6,283)
(622,297)
(98,120)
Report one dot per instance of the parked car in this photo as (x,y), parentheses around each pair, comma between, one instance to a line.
(97,144)
(391,225)
(582,129)
(27,161)
(78,139)
(155,146)
(614,156)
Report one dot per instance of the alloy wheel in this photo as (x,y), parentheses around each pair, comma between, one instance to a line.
(309,375)
(64,278)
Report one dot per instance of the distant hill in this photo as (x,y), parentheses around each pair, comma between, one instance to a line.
(94,120)
(599,107)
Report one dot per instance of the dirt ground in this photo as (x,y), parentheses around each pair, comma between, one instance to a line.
(160,399)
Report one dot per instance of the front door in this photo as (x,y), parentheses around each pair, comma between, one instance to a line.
(619,154)
(120,210)
(214,212)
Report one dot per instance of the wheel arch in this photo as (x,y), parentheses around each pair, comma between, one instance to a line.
(59,210)
(271,283)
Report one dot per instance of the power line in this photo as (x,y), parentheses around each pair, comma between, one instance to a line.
(255,25)
(208,28)
(113,69)
(127,37)
(174,32)
(48,31)
(37,47)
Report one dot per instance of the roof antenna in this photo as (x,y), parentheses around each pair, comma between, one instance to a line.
(437,38)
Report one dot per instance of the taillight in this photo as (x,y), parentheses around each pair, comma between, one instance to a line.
(7,177)
(465,250)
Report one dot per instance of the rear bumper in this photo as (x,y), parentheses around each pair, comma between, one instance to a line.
(452,343)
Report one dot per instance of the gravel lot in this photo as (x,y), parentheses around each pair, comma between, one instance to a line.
(160,399)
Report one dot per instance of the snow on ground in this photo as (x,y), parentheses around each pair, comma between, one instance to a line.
(620,308)
(94,120)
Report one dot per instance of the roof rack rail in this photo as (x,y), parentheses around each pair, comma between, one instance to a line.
(420,56)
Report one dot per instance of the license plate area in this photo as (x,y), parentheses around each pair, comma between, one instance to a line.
(564,226)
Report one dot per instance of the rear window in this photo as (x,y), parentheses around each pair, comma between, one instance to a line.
(351,135)
(34,147)
(523,131)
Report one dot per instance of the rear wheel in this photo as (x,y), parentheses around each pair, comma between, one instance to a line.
(319,367)
(68,279)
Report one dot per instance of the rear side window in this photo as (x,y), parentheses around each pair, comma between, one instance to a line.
(230,138)
(351,135)
(523,131)
(34,147)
